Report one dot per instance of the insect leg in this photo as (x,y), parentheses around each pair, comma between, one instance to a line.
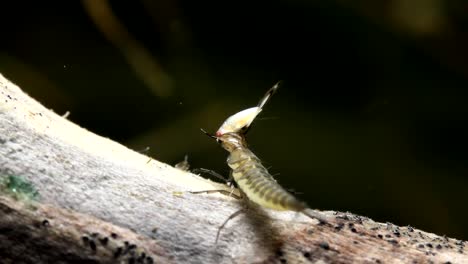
(213,173)
(236,213)
(229,182)
(225,192)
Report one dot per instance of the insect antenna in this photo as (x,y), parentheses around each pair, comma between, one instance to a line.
(211,135)
(208,134)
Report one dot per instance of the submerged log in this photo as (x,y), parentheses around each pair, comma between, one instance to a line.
(68,195)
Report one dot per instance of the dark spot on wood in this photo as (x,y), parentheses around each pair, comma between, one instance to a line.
(132,246)
(118,252)
(282,260)
(420,246)
(351,225)
(393,241)
(129,248)
(448,262)
(85,239)
(353,230)
(388,236)
(355,242)
(378,261)
(429,245)
(396,233)
(141,258)
(324,245)
(380,236)
(94,235)
(149,260)
(410,229)
(439,246)
(339,227)
(114,235)
(359,220)
(131,260)
(104,241)
(307,255)
(45,223)
(92,245)
(279,253)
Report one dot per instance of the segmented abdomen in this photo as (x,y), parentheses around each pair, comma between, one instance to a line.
(258,185)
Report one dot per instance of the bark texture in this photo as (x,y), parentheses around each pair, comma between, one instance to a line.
(100,202)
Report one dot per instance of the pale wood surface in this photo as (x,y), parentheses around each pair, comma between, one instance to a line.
(96,196)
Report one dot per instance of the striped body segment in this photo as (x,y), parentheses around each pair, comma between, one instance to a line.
(257,184)
(253,178)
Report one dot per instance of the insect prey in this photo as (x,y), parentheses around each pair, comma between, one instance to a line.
(248,172)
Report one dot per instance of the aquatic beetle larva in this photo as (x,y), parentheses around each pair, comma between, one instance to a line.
(252,178)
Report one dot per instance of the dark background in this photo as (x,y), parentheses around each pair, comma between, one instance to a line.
(371,117)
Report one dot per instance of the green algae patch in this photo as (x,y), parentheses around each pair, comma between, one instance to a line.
(18,188)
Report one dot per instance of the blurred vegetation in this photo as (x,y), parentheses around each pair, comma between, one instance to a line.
(371,117)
